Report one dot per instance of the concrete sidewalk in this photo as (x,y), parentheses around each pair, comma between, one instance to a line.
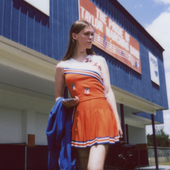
(161,167)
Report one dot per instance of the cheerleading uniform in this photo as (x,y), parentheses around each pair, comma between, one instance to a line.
(93,122)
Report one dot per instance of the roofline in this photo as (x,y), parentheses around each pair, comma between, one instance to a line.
(136,23)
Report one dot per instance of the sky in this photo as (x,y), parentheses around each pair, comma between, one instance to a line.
(154,16)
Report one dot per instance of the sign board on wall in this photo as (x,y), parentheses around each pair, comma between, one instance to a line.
(42,5)
(154,68)
(110,37)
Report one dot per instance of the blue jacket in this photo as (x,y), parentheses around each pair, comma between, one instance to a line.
(59,138)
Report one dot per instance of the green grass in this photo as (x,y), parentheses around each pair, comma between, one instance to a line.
(164,163)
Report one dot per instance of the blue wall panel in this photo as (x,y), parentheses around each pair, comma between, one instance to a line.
(26,25)
(124,77)
(15,24)
(7,23)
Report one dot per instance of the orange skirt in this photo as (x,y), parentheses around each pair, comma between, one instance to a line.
(94,123)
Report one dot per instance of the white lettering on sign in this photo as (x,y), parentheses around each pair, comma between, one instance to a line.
(90,18)
(101,15)
(115,27)
(116,38)
(134,52)
(127,37)
(111,37)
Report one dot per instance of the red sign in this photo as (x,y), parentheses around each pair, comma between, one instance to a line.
(110,37)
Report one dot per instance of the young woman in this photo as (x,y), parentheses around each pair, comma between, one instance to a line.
(96,122)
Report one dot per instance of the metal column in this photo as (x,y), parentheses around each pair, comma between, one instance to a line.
(154,140)
(127,134)
(122,120)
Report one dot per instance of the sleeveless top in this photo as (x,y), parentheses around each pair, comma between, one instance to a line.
(83,79)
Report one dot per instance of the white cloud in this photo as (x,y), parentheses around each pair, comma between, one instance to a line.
(159,29)
(163,1)
(167,122)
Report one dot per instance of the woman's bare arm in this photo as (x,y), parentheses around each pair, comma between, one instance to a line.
(59,82)
(60,85)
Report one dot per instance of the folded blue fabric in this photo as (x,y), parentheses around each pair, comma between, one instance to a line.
(59,138)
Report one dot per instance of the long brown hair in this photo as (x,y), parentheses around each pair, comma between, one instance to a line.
(76,27)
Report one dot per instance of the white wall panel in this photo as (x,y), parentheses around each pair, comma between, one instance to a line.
(41,121)
(10,126)
(136,135)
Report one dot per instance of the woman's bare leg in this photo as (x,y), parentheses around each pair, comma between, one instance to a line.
(97,157)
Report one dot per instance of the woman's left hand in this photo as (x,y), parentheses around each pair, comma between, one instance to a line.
(69,104)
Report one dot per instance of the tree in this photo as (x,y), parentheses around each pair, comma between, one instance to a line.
(162,139)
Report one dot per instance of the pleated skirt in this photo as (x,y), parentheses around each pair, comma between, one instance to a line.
(94,123)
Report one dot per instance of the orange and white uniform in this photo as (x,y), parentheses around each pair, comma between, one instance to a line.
(94,122)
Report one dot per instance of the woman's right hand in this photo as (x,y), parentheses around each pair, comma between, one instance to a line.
(69,104)
(120,132)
